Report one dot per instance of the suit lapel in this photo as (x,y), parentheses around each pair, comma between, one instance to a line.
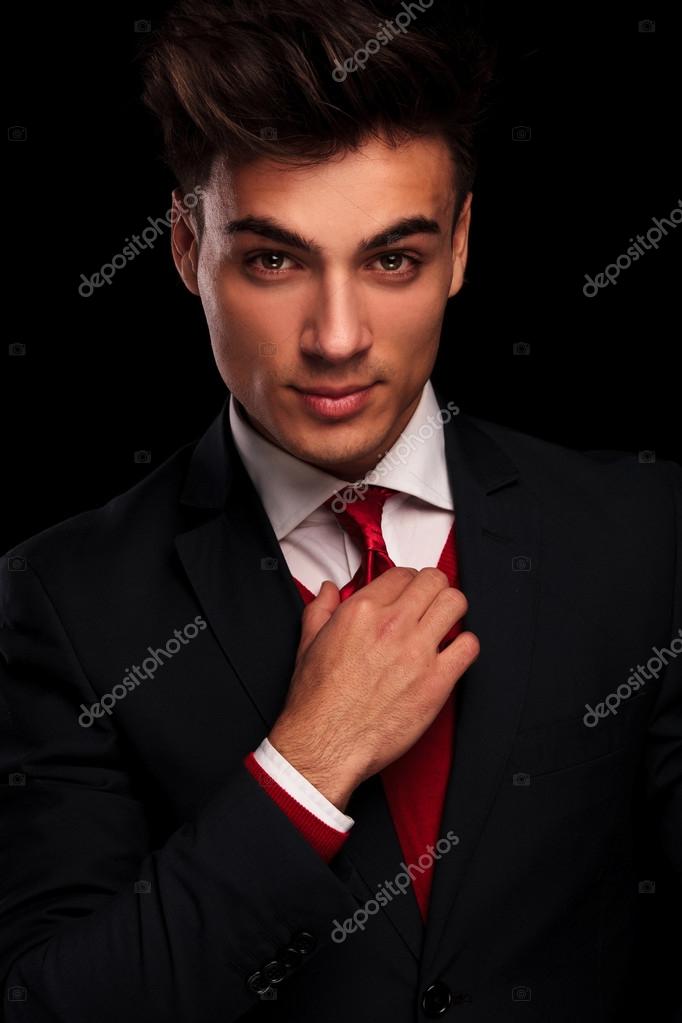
(496,523)
(236,567)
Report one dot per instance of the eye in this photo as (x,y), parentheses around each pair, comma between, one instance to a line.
(270,263)
(273,264)
(392,264)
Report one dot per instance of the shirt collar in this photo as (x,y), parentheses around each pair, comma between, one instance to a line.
(291,490)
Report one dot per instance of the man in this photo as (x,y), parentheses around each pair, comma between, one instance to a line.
(257,766)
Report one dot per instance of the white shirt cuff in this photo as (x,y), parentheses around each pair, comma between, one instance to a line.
(293,782)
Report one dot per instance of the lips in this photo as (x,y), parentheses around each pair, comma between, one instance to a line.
(334,392)
(336,403)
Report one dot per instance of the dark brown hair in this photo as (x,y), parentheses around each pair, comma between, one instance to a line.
(253,78)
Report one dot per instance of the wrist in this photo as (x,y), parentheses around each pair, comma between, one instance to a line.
(334,784)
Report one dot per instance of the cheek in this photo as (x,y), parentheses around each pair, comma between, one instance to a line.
(234,320)
(409,322)
(255,315)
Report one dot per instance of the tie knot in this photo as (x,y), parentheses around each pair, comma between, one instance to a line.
(359,513)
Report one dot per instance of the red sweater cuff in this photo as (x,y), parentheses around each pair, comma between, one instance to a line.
(327,841)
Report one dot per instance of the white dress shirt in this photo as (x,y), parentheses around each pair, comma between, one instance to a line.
(415,525)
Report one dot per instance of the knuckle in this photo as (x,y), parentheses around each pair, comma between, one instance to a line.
(454,595)
(402,571)
(456,598)
(360,605)
(436,574)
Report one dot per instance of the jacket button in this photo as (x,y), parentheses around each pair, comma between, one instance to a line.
(290,957)
(257,983)
(303,942)
(274,972)
(436,1000)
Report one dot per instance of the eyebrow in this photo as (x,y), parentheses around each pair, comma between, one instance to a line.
(270,228)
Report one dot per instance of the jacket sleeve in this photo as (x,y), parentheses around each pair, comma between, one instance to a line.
(664,740)
(96,921)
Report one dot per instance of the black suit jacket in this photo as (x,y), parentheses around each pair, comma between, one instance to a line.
(148,875)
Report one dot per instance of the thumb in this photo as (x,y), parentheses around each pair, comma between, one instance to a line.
(317,613)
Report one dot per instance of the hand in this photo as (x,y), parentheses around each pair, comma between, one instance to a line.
(369,678)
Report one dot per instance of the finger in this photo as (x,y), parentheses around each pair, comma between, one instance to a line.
(388,586)
(422,591)
(317,613)
(446,608)
(458,658)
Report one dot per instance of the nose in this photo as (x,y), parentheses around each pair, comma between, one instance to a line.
(336,329)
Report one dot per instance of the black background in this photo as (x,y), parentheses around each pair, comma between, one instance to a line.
(131,367)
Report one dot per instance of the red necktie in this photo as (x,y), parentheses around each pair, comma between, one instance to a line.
(415,784)
(361,519)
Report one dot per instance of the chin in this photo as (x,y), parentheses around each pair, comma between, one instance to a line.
(332,461)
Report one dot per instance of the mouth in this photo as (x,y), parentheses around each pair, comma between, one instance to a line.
(336,402)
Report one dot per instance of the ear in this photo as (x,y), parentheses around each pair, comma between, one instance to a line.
(184,244)
(460,246)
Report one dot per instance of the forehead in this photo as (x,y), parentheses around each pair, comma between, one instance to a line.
(347,196)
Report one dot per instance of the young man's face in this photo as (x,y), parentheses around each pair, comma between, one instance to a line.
(302,294)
